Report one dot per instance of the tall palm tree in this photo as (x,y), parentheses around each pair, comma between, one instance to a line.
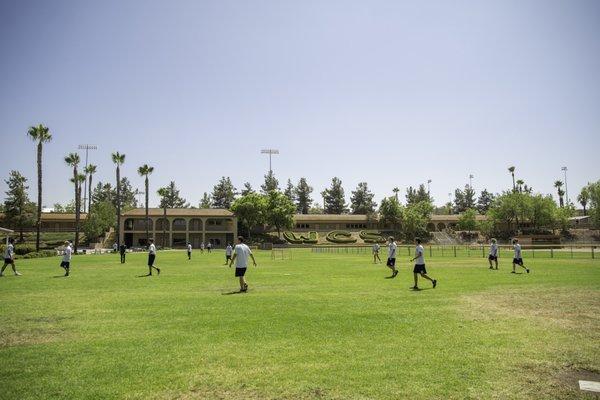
(40,134)
(558,186)
(73,160)
(583,198)
(396,190)
(118,159)
(511,169)
(90,170)
(144,171)
(163,193)
(520,183)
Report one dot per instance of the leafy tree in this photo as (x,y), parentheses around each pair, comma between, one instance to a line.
(415,218)
(73,160)
(334,199)
(390,211)
(464,199)
(90,170)
(118,159)
(144,171)
(101,217)
(280,211)
(19,212)
(251,210)
(303,199)
(594,203)
(290,191)
(542,211)
(316,209)
(170,197)
(39,134)
(271,183)
(104,192)
(508,209)
(558,185)
(206,201)
(485,201)
(583,198)
(223,193)
(58,208)
(467,220)
(247,189)
(361,201)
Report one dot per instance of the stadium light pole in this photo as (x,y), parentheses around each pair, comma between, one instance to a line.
(428,183)
(270,152)
(87,148)
(471,181)
(564,169)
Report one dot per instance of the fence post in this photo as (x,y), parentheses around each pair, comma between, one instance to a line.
(592,252)
(430,251)
(445,246)
(571,251)
(533,252)
(454,247)
(482,251)
(551,252)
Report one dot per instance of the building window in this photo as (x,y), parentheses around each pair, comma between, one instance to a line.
(302,226)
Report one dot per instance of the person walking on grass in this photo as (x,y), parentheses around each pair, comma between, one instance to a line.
(493,256)
(66,260)
(151,258)
(376,248)
(518,258)
(9,257)
(122,251)
(241,252)
(419,259)
(202,248)
(209,246)
(391,261)
(189,250)
(228,253)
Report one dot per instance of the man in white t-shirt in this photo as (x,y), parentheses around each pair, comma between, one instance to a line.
(66,259)
(493,256)
(376,248)
(151,258)
(518,258)
(189,250)
(241,252)
(208,246)
(9,257)
(419,269)
(391,261)
(228,253)
(202,247)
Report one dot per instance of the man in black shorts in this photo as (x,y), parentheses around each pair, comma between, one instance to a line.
(122,251)
(518,258)
(391,261)
(9,257)
(420,265)
(151,258)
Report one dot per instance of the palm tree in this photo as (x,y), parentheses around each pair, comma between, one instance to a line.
(144,171)
(511,169)
(520,183)
(583,198)
(90,170)
(73,160)
(396,190)
(118,159)
(558,186)
(163,193)
(40,134)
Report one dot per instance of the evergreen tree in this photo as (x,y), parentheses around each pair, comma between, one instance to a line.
(271,183)
(206,201)
(464,199)
(303,199)
(414,196)
(170,197)
(289,191)
(223,193)
(390,211)
(485,201)
(247,189)
(127,196)
(334,199)
(19,212)
(361,201)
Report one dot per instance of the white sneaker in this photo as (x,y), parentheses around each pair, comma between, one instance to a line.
(17,273)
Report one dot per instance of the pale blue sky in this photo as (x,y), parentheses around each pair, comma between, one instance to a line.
(388,92)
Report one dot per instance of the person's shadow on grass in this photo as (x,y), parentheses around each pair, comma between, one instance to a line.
(234,292)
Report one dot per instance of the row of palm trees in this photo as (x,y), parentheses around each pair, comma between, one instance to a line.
(40,134)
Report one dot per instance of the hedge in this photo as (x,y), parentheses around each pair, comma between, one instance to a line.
(301,238)
(40,254)
(371,237)
(340,237)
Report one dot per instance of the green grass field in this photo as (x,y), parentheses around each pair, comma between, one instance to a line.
(316,326)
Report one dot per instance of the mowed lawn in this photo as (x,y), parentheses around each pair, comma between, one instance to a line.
(316,326)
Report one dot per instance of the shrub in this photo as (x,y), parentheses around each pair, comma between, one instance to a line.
(301,238)
(39,254)
(340,237)
(22,249)
(371,237)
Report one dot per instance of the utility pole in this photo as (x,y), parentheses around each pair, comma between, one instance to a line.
(270,152)
(86,147)
(564,169)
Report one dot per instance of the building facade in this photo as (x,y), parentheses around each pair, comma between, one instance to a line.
(179,227)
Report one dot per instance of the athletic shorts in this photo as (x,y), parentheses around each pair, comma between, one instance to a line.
(228,257)
(240,271)
(151,258)
(492,258)
(419,269)
(8,261)
(518,261)
(65,264)
(391,262)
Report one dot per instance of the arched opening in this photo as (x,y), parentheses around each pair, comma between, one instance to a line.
(179,224)
(441,226)
(431,227)
(162,224)
(128,224)
(195,224)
